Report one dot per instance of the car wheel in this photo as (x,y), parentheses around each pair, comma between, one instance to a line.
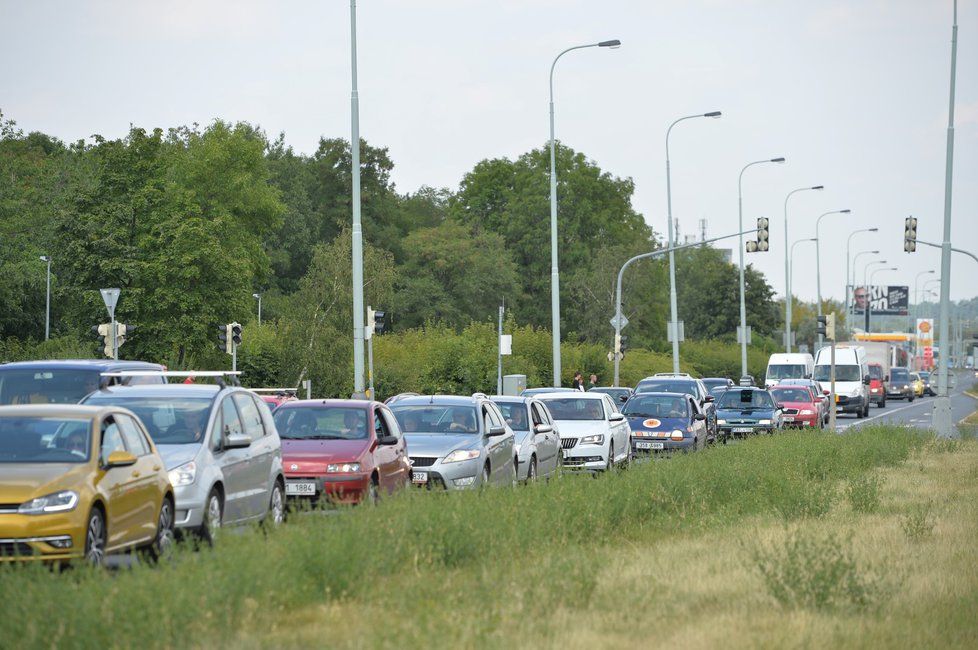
(95,538)
(213,515)
(485,475)
(372,497)
(163,542)
(276,505)
(531,471)
(883,403)
(611,458)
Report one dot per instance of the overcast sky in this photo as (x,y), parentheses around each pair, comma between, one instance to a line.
(854,94)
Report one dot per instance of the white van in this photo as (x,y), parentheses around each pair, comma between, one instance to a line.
(788,366)
(851,378)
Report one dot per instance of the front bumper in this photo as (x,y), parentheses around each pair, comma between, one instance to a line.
(463,475)
(734,430)
(801,421)
(334,488)
(586,457)
(28,537)
(668,445)
(189,502)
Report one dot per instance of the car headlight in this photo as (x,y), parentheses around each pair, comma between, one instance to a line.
(185,474)
(459,455)
(597,439)
(764,422)
(905,387)
(343,468)
(676,434)
(806,412)
(58,502)
(721,421)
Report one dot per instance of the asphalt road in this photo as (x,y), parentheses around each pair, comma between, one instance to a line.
(918,413)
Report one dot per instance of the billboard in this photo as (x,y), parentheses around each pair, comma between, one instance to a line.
(925,332)
(883,300)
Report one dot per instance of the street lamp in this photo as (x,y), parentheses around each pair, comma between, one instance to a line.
(848,242)
(916,297)
(868,304)
(554,268)
(47,303)
(787,271)
(818,264)
(257,296)
(740,229)
(673,309)
(791,281)
(866,291)
(359,382)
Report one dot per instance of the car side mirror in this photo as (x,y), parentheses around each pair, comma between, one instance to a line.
(699,416)
(808,376)
(886,378)
(616,417)
(779,406)
(387,440)
(826,393)
(119,459)
(623,398)
(543,428)
(237,441)
(496,431)
(866,380)
(709,398)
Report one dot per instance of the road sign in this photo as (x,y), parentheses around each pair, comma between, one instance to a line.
(624,321)
(506,344)
(110,297)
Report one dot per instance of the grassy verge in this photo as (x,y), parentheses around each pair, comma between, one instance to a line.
(715,548)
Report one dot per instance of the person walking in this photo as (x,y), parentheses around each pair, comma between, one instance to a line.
(578,383)
(593,382)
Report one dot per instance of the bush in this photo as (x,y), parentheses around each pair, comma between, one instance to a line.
(919,522)
(863,492)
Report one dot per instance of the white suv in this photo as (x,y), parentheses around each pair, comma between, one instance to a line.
(594,435)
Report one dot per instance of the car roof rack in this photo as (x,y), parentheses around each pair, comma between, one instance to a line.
(219,374)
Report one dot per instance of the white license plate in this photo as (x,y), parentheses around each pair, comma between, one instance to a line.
(300,488)
(743,430)
(789,419)
(419,477)
(646,444)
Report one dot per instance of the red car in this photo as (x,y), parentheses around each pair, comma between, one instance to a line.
(877,384)
(343,451)
(274,397)
(800,406)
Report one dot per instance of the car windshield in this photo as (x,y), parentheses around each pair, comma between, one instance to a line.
(787,371)
(22,439)
(716,391)
(745,399)
(575,408)
(170,420)
(321,423)
(515,415)
(842,373)
(899,374)
(656,406)
(22,386)
(436,419)
(875,372)
(792,394)
(667,386)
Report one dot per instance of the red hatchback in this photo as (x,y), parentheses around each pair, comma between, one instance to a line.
(800,407)
(344,451)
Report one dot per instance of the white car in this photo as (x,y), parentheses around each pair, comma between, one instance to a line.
(594,435)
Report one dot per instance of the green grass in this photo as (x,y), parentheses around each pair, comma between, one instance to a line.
(454,564)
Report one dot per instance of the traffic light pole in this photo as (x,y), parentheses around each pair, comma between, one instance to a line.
(832,386)
(653,254)
(115,339)
(234,356)
(370,366)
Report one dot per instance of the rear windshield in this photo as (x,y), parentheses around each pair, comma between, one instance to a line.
(575,408)
(319,423)
(434,419)
(656,406)
(25,440)
(899,374)
(792,394)
(21,386)
(787,371)
(876,372)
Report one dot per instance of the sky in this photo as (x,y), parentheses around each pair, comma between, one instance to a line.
(854,94)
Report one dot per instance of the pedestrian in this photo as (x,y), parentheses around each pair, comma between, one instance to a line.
(578,381)
(593,383)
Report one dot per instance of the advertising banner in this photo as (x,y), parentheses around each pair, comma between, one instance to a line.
(883,300)
(925,332)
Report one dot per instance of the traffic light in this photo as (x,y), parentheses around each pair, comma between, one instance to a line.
(235,333)
(909,234)
(379,323)
(105,332)
(624,345)
(224,338)
(830,327)
(763,245)
(821,327)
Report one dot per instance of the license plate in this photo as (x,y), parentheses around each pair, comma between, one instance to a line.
(743,430)
(658,445)
(419,477)
(644,444)
(789,419)
(300,488)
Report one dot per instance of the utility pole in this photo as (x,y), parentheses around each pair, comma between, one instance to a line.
(358,382)
(499,360)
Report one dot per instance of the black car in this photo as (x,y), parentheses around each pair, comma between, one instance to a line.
(682,383)
(743,411)
(900,386)
(65,381)
(620,393)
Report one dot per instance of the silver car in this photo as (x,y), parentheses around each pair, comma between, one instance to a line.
(455,442)
(220,447)
(537,439)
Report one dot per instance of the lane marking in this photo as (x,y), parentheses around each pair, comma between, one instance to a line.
(902,408)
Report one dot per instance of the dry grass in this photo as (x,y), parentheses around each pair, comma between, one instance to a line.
(698,590)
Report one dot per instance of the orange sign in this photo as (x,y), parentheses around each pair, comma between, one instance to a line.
(925,326)
(651,423)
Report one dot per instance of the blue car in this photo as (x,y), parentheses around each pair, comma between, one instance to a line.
(743,411)
(665,422)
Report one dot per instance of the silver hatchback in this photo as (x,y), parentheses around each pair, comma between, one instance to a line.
(220,447)
(537,439)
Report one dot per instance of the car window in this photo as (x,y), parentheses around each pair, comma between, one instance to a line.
(610,405)
(380,427)
(111,439)
(230,420)
(693,407)
(435,419)
(515,415)
(574,408)
(250,415)
(132,435)
(391,423)
(538,417)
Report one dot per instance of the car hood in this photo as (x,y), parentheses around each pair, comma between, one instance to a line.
(579,428)
(177,455)
(438,445)
(738,414)
(799,405)
(657,424)
(327,451)
(20,482)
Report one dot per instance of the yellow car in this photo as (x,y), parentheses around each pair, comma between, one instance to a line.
(80,482)
(917,384)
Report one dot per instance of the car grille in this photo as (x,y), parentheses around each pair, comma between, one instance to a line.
(568,443)
(15,548)
(422,461)
(739,422)
(791,411)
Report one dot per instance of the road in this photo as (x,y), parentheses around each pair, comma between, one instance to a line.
(918,413)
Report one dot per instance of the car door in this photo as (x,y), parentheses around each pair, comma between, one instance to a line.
(145,474)
(708,408)
(121,485)
(401,474)
(233,463)
(547,444)
(385,456)
(700,430)
(261,454)
(500,453)
(618,431)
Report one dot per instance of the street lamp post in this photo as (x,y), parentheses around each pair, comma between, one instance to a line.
(740,229)
(257,296)
(673,308)
(554,268)
(916,296)
(855,260)
(47,302)
(868,310)
(869,305)
(359,383)
(818,265)
(787,269)
(848,242)
(791,280)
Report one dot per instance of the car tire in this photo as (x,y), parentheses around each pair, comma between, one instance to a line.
(372,496)
(162,544)
(611,457)
(276,505)
(486,475)
(213,516)
(95,536)
(883,403)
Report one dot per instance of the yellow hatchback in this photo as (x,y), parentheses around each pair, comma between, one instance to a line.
(917,384)
(80,482)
